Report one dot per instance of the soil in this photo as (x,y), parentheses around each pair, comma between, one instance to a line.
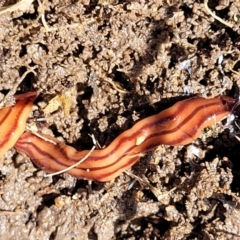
(114,62)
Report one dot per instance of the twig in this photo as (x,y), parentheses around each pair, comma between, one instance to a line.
(116,86)
(238,138)
(233,65)
(77,163)
(215,16)
(40,136)
(159,195)
(41,12)
(21,5)
(15,86)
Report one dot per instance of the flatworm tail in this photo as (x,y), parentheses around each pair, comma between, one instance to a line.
(178,125)
(13,120)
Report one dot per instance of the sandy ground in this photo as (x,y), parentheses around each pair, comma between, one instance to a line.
(113,63)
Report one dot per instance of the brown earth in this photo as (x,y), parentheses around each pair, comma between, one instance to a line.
(121,61)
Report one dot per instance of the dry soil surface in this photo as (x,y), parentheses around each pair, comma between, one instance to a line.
(111,63)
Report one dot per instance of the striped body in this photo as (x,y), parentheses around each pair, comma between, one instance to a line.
(13,120)
(178,125)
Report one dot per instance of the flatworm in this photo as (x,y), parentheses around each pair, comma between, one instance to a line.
(13,120)
(178,125)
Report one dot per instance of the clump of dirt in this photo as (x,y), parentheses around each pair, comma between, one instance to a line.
(121,61)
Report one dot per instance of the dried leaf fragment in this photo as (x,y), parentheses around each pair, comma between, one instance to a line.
(63,100)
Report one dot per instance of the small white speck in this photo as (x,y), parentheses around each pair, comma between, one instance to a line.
(230,120)
(187,90)
(186,65)
(140,140)
(220,60)
(193,150)
(211,117)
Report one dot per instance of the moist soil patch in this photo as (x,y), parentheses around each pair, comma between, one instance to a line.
(111,63)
